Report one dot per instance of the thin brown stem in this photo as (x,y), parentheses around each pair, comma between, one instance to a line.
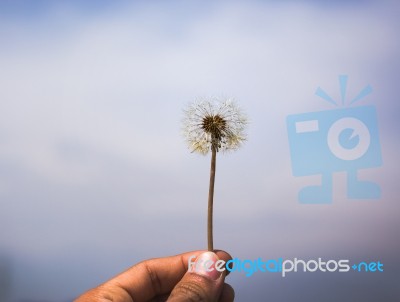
(211,199)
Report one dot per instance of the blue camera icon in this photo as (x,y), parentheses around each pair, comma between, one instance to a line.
(325,142)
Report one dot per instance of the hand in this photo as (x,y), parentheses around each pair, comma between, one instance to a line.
(165,279)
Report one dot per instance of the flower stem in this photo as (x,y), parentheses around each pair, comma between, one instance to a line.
(211,199)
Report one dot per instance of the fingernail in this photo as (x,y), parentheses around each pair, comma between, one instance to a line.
(205,266)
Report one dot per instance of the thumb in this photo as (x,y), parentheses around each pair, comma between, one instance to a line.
(202,281)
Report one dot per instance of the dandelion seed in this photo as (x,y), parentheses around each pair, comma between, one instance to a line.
(213,125)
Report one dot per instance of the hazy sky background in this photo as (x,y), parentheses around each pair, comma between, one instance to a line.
(95,175)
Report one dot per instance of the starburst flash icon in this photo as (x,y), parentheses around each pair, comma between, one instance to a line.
(342,139)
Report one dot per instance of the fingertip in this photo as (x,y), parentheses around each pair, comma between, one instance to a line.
(205,265)
(223,255)
(226,257)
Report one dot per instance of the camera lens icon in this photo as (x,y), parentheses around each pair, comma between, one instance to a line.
(348,138)
(338,140)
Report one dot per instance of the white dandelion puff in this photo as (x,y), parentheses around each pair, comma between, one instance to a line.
(213,125)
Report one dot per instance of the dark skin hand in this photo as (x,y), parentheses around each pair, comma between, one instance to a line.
(166,279)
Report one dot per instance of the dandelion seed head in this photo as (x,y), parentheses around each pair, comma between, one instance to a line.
(214,123)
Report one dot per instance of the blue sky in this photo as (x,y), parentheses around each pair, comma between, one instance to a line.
(94,172)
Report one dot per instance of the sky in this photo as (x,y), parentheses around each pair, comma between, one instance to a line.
(95,174)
